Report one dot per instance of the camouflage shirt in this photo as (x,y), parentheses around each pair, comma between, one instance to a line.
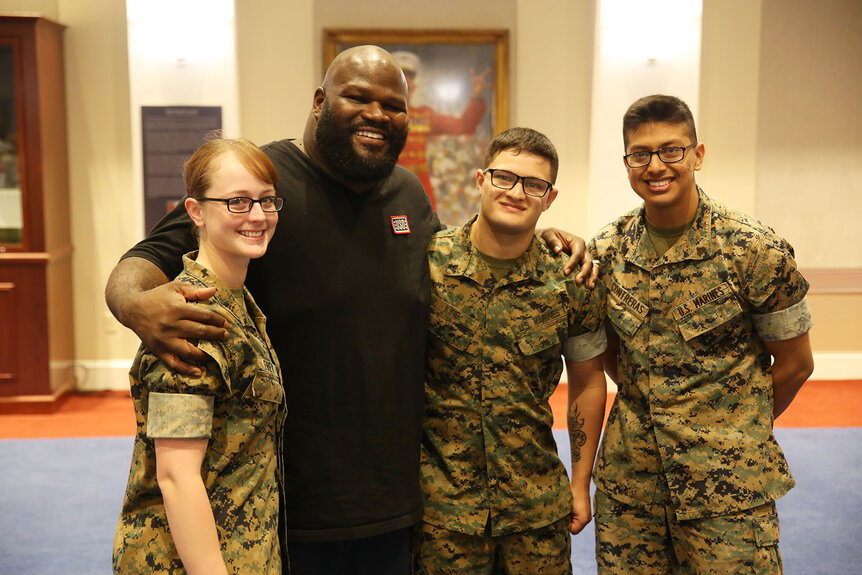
(238,403)
(693,414)
(492,362)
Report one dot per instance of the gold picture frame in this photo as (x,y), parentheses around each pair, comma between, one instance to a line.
(447,142)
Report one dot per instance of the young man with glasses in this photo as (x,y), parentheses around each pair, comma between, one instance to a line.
(496,494)
(708,343)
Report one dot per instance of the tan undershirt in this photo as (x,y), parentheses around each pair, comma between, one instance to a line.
(664,238)
(499,268)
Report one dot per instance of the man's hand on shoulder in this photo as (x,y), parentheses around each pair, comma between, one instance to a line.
(140,296)
(562,241)
(165,322)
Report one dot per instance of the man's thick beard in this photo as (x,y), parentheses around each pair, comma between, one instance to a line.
(335,145)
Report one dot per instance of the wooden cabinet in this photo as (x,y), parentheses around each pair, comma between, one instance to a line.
(36,329)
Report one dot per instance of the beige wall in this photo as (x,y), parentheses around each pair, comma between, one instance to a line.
(277,72)
(837,321)
(554,98)
(47,8)
(809,127)
(551,47)
(809,140)
(729,79)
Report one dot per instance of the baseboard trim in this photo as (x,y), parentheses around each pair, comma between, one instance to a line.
(37,404)
(103,374)
(113,375)
(828,366)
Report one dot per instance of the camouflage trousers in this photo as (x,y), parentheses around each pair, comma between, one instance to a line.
(651,541)
(543,551)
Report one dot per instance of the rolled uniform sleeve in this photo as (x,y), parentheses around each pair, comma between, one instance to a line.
(587,338)
(180,416)
(179,407)
(784,324)
(585,346)
(777,291)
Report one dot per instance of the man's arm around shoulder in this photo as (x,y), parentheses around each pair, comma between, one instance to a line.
(143,299)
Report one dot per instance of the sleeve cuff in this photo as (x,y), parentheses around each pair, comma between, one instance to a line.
(784,324)
(586,346)
(179,416)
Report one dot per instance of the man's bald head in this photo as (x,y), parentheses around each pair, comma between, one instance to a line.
(369,63)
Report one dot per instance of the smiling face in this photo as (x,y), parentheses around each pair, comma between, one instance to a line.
(227,240)
(361,113)
(669,191)
(511,213)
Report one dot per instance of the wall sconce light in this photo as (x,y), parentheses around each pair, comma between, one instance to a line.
(177,30)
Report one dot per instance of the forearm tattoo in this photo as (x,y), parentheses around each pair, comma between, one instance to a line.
(577,436)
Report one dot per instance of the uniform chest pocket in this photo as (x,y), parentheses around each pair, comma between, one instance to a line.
(624,320)
(540,338)
(264,387)
(626,312)
(449,325)
(706,312)
(250,422)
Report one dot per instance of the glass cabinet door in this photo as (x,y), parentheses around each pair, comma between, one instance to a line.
(11,213)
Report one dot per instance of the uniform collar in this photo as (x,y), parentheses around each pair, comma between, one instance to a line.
(229,300)
(471,264)
(695,244)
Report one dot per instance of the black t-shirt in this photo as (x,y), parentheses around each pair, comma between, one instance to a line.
(346,299)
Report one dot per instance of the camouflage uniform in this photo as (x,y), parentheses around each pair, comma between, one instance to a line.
(489,462)
(238,403)
(543,551)
(691,428)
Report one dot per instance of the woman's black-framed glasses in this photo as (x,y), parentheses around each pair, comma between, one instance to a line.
(506,180)
(240,205)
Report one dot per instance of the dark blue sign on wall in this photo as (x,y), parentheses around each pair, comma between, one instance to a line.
(171,134)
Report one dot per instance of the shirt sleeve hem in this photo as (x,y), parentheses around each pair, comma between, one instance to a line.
(586,346)
(784,324)
(179,416)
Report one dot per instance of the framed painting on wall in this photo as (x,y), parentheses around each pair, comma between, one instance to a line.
(458,100)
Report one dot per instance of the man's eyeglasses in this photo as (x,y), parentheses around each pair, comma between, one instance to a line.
(669,155)
(241,205)
(503,179)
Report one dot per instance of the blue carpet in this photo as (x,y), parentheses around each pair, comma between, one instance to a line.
(60,498)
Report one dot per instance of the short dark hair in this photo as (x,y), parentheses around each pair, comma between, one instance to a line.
(524,140)
(658,108)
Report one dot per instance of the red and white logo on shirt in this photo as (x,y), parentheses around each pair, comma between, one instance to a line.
(400,225)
